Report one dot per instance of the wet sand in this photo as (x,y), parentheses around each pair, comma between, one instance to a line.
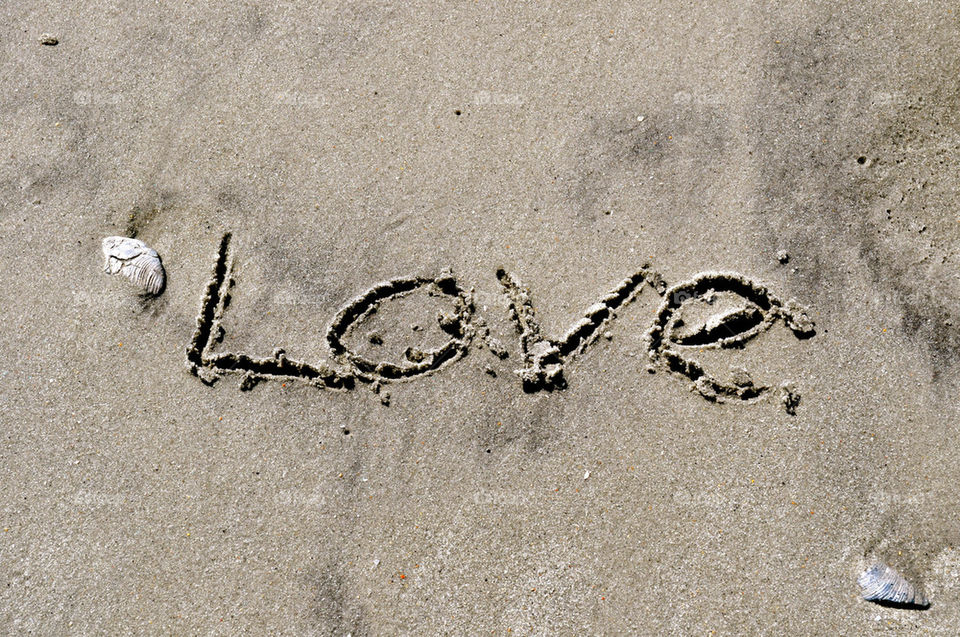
(385,171)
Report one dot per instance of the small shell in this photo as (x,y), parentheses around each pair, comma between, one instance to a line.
(135,260)
(882,584)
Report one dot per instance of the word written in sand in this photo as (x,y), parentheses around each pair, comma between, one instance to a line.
(750,310)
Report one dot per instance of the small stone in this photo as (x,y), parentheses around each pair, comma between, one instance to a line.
(789,398)
(497,348)
(586,475)
(415,355)
(49,40)
(385,399)
(782,256)
(608,335)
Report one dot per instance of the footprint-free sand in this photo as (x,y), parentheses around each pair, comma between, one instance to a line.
(811,151)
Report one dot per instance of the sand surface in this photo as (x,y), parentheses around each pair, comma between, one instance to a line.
(356,143)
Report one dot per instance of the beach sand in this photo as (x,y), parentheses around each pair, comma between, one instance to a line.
(356,143)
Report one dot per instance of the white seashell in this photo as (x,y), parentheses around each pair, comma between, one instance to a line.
(880,583)
(135,260)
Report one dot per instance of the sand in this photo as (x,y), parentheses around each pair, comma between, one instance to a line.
(810,151)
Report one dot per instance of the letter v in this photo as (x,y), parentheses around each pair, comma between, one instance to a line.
(543,358)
